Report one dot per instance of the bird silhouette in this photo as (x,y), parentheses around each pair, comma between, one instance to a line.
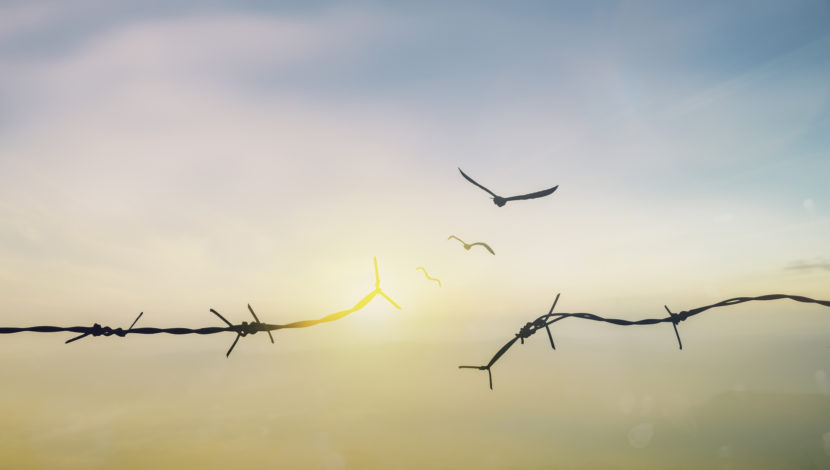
(427,275)
(500,201)
(467,246)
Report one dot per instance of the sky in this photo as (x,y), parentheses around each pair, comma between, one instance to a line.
(171,157)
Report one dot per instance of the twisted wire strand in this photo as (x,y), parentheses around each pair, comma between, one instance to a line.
(544,321)
(241,329)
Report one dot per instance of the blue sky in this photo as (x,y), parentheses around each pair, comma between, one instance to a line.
(600,66)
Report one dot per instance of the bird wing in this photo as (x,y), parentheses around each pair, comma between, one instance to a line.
(485,246)
(453,236)
(542,193)
(473,181)
(427,275)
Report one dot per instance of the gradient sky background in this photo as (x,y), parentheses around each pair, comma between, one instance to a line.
(170,157)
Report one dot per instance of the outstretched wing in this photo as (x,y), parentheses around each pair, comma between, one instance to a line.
(473,181)
(453,236)
(533,195)
(485,246)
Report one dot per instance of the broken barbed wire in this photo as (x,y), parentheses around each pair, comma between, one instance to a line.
(241,329)
(674,318)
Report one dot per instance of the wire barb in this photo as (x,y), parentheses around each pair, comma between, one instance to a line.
(245,328)
(547,327)
(135,321)
(241,329)
(220,316)
(257,320)
(674,318)
(98,330)
(674,321)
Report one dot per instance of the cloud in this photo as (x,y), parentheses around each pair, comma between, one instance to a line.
(173,45)
(206,50)
(816,264)
(17,19)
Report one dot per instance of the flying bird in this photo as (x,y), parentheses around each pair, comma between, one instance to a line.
(467,246)
(500,201)
(427,275)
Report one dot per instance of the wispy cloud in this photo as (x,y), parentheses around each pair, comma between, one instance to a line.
(201,49)
(16,19)
(816,264)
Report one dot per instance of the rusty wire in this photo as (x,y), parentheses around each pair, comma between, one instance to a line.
(674,318)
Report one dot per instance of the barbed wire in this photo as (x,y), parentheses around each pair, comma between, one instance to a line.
(241,329)
(550,318)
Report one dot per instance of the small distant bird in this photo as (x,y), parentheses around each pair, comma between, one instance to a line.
(427,275)
(467,246)
(500,201)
